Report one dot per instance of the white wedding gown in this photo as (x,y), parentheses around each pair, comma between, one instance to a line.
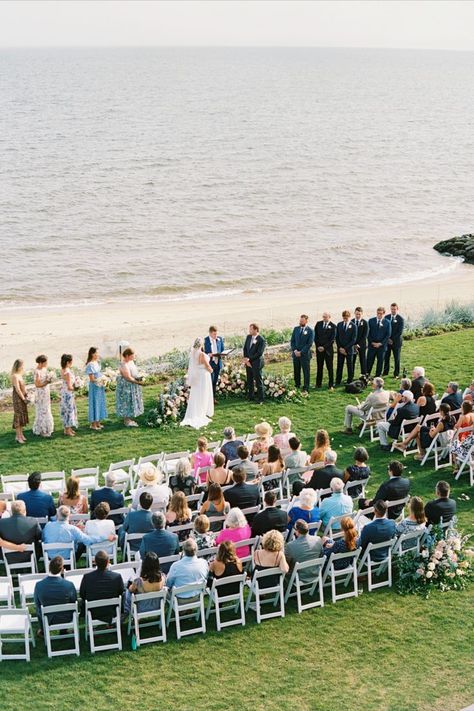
(200,407)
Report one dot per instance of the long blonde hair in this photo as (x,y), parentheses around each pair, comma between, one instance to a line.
(179,506)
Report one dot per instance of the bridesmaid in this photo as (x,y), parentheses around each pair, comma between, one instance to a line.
(43,424)
(128,394)
(68,408)
(20,401)
(97,405)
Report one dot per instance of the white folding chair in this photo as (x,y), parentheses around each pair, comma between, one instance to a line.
(260,594)
(13,568)
(313,582)
(406,427)
(88,477)
(53,482)
(396,504)
(321,494)
(214,446)
(192,606)
(155,459)
(184,528)
(75,518)
(351,485)
(335,575)
(6,592)
(123,472)
(50,550)
(195,499)
(377,567)
(468,459)
(123,511)
(336,521)
(233,601)
(252,544)
(313,530)
(251,510)
(95,626)
(15,626)
(49,627)
(152,618)
(14,483)
(26,588)
(217,522)
(232,463)
(170,460)
(276,482)
(259,457)
(371,419)
(76,575)
(109,547)
(131,545)
(202,470)
(407,542)
(439,450)
(207,552)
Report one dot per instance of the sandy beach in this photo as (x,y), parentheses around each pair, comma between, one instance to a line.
(153,328)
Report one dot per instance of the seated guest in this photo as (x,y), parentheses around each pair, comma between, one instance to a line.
(72,497)
(408,410)
(416,519)
(466,419)
(453,396)
(200,459)
(297,458)
(461,445)
(39,504)
(322,444)
(183,478)
(359,471)
(101,526)
(335,505)
(215,505)
(304,509)
(271,555)
(282,439)
(417,381)
(101,584)
(263,441)
(250,468)
(377,399)
(241,495)
(54,590)
(201,532)
(342,545)
(3,509)
(270,518)
(394,488)
(379,530)
(468,393)
(273,465)
(219,474)
(303,548)
(19,528)
(61,531)
(188,570)
(160,541)
(108,494)
(179,513)
(321,478)
(137,521)
(150,580)
(225,565)
(427,434)
(236,529)
(230,444)
(152,481)
(442,509)
(395,397)
(426,402)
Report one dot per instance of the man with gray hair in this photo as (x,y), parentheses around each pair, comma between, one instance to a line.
(338,504)
(20,528)
(61,531)
(303,548)
(417,381)
(322,478)
(378,400)
(407,410)
(190,569)
(453,396)
(159,541)
(108,495)
(230,445)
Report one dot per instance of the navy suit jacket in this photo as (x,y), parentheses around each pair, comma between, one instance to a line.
(113,498)
(454,400)
(54,590)
(406,412)
(161,542)
(378,531)
(379,334)
(397,325)
(362,331)
(208,350)
(346,338)
(392,489)
(38,503)
(255,352)
(302,341)
(136,522)
(324,337)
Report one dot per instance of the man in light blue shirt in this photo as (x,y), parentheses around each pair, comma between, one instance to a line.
(337,504)
(61,531)
(190,569)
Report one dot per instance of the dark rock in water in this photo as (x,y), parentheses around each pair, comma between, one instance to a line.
(462,246)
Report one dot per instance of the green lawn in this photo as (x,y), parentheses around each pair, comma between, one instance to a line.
(380,651)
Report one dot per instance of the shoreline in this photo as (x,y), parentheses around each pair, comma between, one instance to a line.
(155,327)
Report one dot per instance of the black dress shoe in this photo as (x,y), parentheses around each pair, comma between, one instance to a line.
(385,447)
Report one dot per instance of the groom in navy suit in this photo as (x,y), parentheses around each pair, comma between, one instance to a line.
(394,346)
(302,340)
(214,344)
(380,330)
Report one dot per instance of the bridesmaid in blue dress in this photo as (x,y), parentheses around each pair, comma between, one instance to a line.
(97,406)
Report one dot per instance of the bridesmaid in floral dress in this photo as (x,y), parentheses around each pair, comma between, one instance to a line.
(97,405)
(20,401)
(44,423)
(68,408)
(128,394)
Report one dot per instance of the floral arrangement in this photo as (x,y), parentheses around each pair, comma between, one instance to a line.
(445,564)
(171,405)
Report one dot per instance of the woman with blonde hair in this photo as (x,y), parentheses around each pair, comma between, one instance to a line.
(73,498)
(282,438)
(200,459)
(201,532)
(322,444)
(264,439)
(236,529)
(349,542)
(219,474)
(271,555)
(20,401)
(183,478)
(179,513)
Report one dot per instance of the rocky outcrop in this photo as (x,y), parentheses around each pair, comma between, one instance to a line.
(462,246)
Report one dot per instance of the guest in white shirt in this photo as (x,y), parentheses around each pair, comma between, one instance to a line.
(101,526)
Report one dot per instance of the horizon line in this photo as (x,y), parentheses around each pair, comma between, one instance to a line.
(231,46)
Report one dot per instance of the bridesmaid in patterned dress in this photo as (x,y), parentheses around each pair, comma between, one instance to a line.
(20,401)
(97,404)
(44,423)
(68,408)
(128,394)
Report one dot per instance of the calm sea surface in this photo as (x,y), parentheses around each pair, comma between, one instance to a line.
(166,173)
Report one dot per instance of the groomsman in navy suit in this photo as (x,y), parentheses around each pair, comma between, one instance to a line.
(395,341)
(302,340)
(346,338)
(214,344)
(380,330)
(324,337)
(254,348)
(360,348)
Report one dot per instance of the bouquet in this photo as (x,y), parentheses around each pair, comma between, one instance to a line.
(102,381)
(78,383)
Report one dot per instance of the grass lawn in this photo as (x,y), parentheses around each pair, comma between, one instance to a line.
(378,652)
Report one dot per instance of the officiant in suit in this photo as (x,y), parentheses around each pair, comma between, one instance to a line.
(380,331)
(346,338)
(324,336)
(302,340)
(395,341)
(214,344)
(360,348)
(254,349)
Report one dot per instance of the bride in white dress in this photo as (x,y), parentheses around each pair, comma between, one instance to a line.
(201,399)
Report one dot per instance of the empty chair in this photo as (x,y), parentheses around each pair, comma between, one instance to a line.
(377,566)
(15,627)
(14,483)
(6,592)
(51,549)
(50,626)
(266,586)
(53,482)
(88,477)
(26,587)
(348,572)
(95,626)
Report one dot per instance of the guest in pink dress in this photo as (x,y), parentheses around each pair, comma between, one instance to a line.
(201,458)
(281,440)
(236,529)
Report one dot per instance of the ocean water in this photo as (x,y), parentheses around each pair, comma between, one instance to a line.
(168,173)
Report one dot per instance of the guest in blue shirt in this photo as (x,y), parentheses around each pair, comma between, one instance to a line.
(61,531)
(190,569)
(139,521)
(39,504)
(108,495)
(54,590)
(335,505)
(160,541)
(305,509)
(379,530)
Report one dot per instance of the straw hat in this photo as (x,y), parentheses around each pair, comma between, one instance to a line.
(263,429)
(149,474)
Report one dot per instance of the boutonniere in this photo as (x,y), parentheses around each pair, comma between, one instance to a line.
(350,326)
(329,326)
(305,333)
(394,320)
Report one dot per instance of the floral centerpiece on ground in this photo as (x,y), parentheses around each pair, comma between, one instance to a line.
(171,405)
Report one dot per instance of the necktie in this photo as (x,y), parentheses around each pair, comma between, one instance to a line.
(345,326)
(357,323)
(380,323)
(325,325)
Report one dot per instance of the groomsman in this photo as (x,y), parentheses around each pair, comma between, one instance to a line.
(380,331)
(254,349)
(360,348)
(395,341)
(346,338)
(302,340)
(324,336)
(213,346)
